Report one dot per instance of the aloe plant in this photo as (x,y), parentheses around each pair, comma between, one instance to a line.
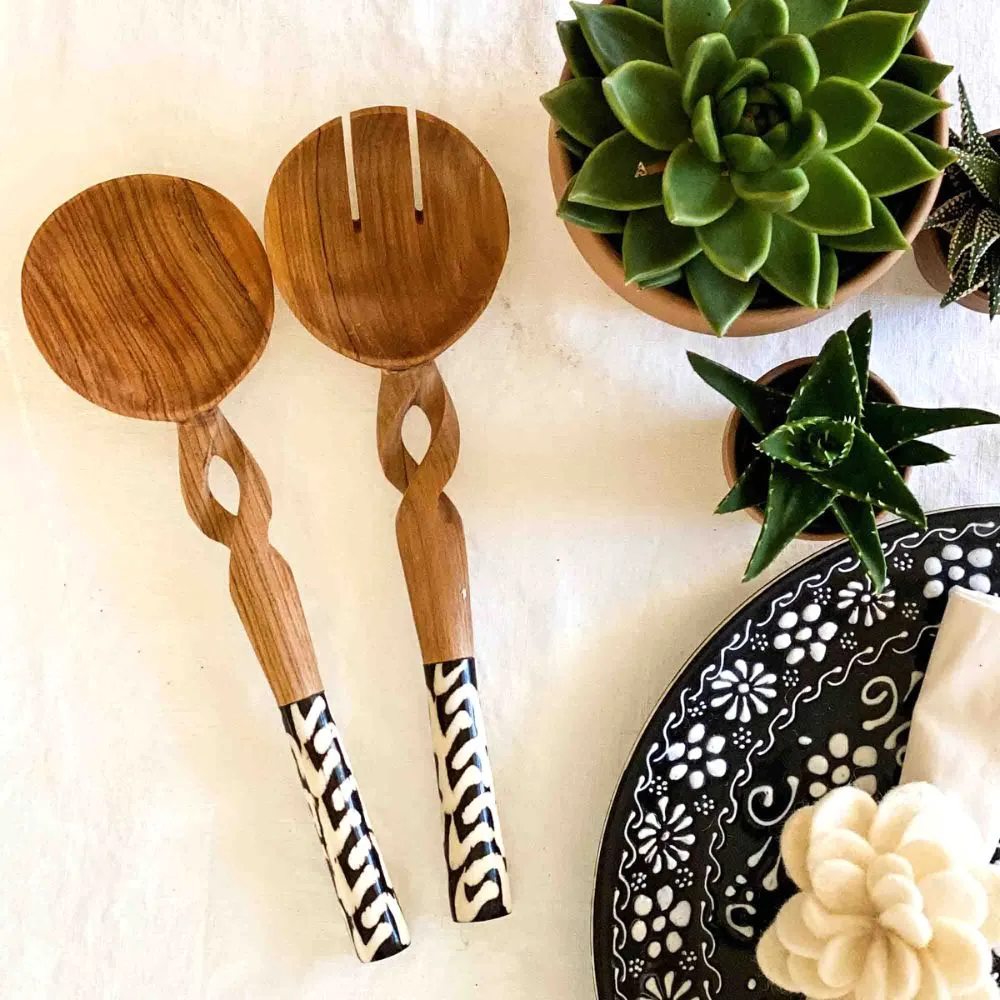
(970,215)
(730,145)
(830,447)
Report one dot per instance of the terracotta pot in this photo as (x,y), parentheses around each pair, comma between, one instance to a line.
(679,311)
(730,463)
(930,251)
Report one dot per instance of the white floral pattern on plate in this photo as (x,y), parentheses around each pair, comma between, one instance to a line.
(666,837)
(802,633)
(866,607)
(743,690)
(697,757)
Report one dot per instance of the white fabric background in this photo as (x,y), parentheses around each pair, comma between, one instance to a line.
(153,840)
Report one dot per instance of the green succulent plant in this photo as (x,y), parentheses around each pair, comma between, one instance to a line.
(970,213)
(830,447)
(729,145)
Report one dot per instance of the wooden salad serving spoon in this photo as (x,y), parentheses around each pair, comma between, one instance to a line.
(152,297)
(393,288)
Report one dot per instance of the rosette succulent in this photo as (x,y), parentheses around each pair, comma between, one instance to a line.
(830,447)
(970,213)
(733,144)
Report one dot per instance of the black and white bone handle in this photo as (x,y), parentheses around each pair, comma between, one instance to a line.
(432,549)
(267,599)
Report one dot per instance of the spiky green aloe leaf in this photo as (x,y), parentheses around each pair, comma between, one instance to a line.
(886,162)
(859,334)
(695,190)
(750,489)
(917,453)
(791,59)
(597,220)
(948,214)
(738,243)
(653,247)
(867,474)
(577,148)
(937,156)
(829,277)
(884,236)
(793,262)
(754,22)
(610,178)
(579,108)
(651,8)
(922,74)
(861,47)
(814,444)
(721,299)
(831,387)
(973,141)
(903,107)
(808,16)
(618,35)
(892,425)
(983,172)
(646,98)
(848,110)
(961,241)
(708,64)
(994,284)
(794,501)
(964,281)
(763,406)
(684,21)
(777,190)
(857,521)
(837,203)
(581,60)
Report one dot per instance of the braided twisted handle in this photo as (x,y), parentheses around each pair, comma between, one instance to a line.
(267,599)
(432,549)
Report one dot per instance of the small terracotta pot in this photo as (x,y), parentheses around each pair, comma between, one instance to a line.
(730,465)
(931,252)
(679,311)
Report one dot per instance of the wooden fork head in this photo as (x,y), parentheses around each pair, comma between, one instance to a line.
(395,287)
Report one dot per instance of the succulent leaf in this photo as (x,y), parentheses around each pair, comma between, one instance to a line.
(792,60)
(914,8)
(750,489)
(651,8)
(721,299)
(937,156)
(808,16)
(684,21)
(652,247)
(886,162)
(610,178)
(892,425)
(861,47)
(747,154)
(778,190)
(597,220)
(798,141)
(793,262)
(848,110)
(829,277)
(617,35)
(695,190)
(754,22)
(883,237)
(788,98)
(730,110)
(922,74)
(837,203)
(869,475)
(794,501)
(814,444)
(579,108)
(917,453)
(859,334)
(661,280)
(703,126)
(581,60)
(903,107)
(857,521)
(738,243)
(708,63)
(831,387)
(645,97)
(577,148)
(763,406)
(745,73)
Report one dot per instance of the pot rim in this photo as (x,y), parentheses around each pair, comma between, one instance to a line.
(732,472)
(681,312)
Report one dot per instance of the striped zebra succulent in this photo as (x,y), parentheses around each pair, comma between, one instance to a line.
(970,215)
(730,145)
(830,446)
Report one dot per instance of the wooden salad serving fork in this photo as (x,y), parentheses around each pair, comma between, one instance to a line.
(152,297)
(393,288)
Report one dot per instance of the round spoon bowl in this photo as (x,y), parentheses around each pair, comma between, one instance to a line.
(149,295)
(396,287)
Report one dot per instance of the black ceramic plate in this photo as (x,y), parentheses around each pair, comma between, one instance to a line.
(809,686)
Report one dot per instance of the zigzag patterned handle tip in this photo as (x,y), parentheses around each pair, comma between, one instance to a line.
(478,882)
(362,883)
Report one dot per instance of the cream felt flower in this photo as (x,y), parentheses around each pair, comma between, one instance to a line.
(895,903)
